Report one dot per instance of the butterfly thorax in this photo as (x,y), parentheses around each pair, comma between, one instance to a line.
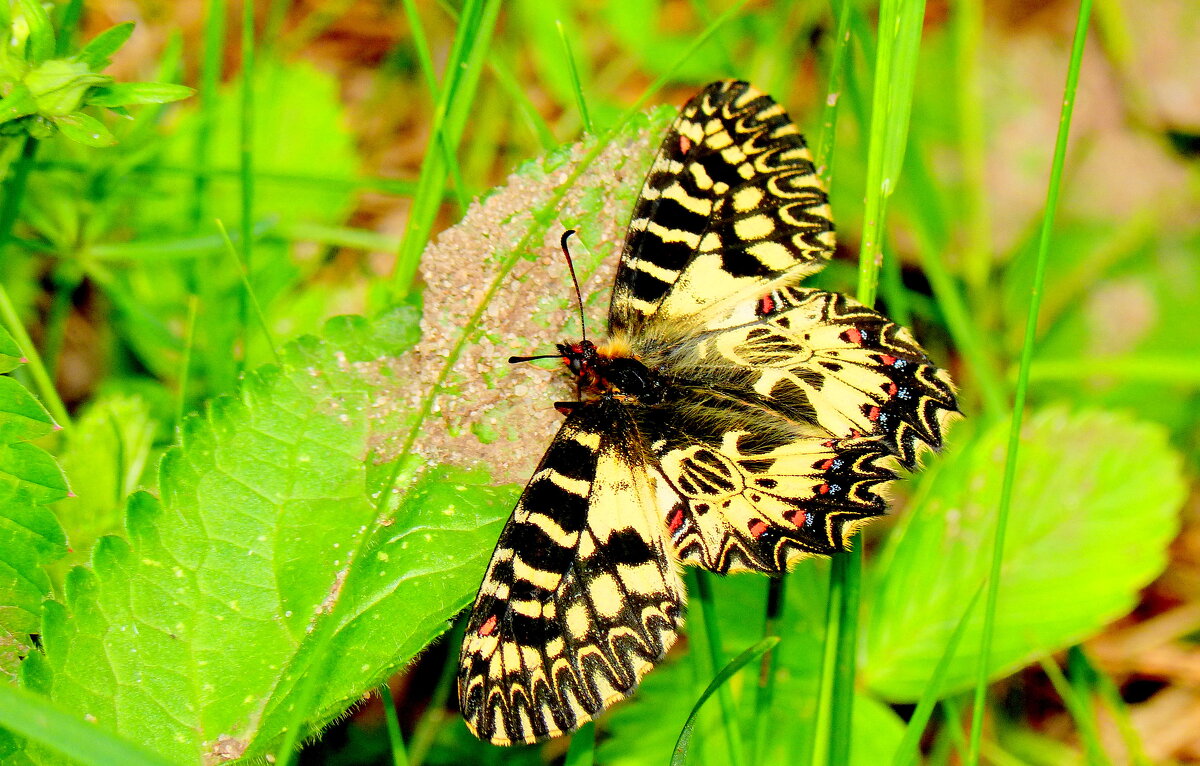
(610,371)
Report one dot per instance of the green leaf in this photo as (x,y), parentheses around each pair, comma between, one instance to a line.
(269,527)
(18,103)
(38,31)
(33,716)
(107,453)
(96,53)
(85,129)
(1095,505)
(30,535)
(59,85)
(134,93)
(10,353)
(748,655)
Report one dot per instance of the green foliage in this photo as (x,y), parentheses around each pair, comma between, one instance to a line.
(213,599)
(30,535)
(40,95)
(1095,505)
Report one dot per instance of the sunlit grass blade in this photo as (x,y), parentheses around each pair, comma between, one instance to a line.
(455,99)
(898,43)
(1111,697)
(765,691)
(13,191)
(679,758)
(251,297)
(906,751)
(35,717)
(576,86)
(246,156)
(434,717)
(392,723)
(185,362)
(708,617)
(1022,388)
(1082,712)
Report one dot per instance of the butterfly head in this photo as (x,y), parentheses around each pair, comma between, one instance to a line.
(609,371)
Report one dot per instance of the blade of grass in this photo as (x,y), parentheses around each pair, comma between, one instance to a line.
(708,617)
(582,750)
(210,81)
(185,364)
(833,94)
(679,757)
(906,751)
(246,151)
(453,106)
(1081,710)
(1022,389)
(395,738)
(1111,696)
(13,189)
(426,730)
(251,298)
(576,86)
(36,718)
(898,44)
(765,691)
(966,29)
(68,27)
(925,211)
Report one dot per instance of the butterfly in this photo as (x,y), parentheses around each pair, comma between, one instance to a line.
(732,420)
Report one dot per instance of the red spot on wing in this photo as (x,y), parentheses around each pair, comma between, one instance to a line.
(757,528)
(891,389)
(685,144)
(823,489)
(487,627)
(873,413)
(827,464)
(766,305)
(887,359)
(853,336)
(675,519)
(797,518)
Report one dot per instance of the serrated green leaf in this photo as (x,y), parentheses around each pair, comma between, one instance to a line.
(134,93)
(85,129)
(1096,503)
(107,452)
(96,53)
(192,635)
(30,535)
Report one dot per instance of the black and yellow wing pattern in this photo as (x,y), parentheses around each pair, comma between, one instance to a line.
(582,596)
(733,420)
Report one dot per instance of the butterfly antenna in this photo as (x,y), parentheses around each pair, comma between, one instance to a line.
(571,265)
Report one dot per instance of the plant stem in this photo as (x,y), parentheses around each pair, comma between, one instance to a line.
(1018,411)
(14,192)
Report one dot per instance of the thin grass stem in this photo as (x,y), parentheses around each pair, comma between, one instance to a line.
(1022,389)
(246,153)
(392,723)
(576,85)
(716,654)
(10,205)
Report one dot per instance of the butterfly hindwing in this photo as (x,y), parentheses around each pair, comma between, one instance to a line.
(581,597)
(730,207)
(795,409)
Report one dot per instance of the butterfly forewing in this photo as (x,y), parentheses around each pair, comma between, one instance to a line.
(581,597)
(730,207)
